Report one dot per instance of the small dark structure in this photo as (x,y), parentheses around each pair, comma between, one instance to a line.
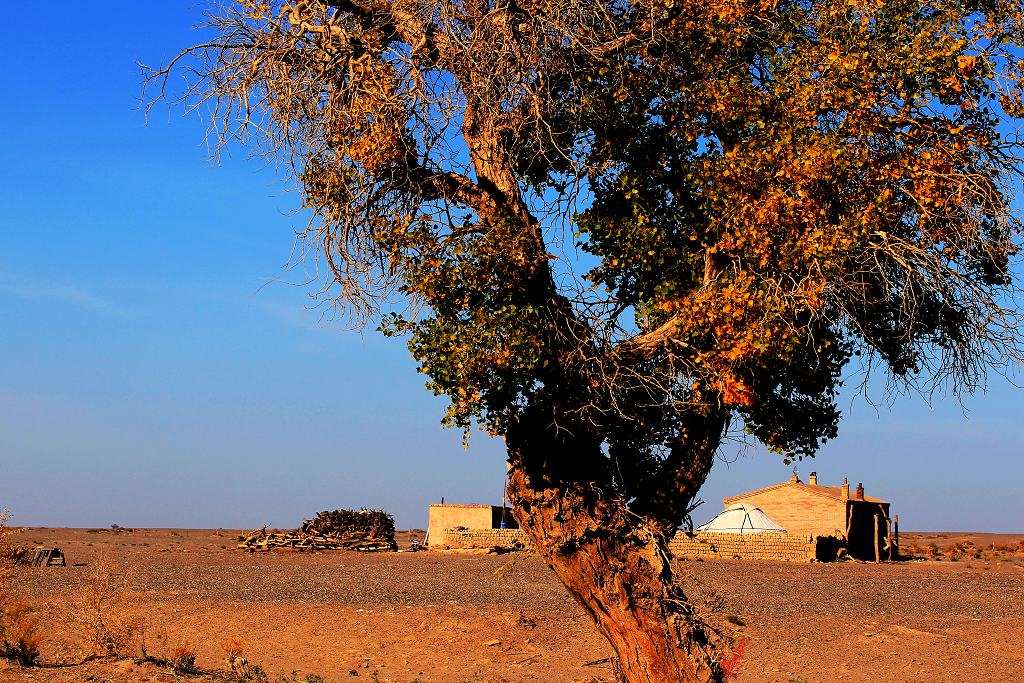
(48,557)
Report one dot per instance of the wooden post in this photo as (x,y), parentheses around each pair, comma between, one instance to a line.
(877,541)
(897,546)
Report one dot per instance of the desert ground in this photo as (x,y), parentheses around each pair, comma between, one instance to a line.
(432,616)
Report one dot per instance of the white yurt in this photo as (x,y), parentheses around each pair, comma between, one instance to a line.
(742,519)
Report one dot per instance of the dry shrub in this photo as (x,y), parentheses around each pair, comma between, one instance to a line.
(20,635)
(238,666)
(103,613)
(182,659)
(177,654)
(11,555)
(1009,548)
(959,551)
(6,548)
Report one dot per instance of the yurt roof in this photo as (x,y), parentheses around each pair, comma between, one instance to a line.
(742,519)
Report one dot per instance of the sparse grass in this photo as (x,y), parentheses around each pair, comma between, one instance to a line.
(102,613)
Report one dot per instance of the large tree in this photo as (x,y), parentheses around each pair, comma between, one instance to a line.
(622,228)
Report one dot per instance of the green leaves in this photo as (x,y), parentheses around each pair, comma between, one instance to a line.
(766,185)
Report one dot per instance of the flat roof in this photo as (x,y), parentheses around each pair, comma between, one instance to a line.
(463,505)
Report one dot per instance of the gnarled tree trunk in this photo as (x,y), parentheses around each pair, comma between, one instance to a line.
(618,569)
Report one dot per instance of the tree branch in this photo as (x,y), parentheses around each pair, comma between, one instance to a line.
(390,17)
(666,494)
(647,345)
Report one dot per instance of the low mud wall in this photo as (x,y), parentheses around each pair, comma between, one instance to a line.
(465,539)
(702,545)
(769,546)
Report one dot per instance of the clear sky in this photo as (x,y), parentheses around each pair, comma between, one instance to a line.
(159,366)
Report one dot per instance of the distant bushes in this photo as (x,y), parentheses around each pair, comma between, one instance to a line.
(959,550)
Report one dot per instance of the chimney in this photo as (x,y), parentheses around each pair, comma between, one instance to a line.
(846,488)
(812,479)
(859,495)
(793,478)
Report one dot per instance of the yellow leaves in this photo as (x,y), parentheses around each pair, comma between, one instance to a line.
(966,64)
(953,83)
(739,325)
(1012,104)
(378,149)
(735,391)
(256,10)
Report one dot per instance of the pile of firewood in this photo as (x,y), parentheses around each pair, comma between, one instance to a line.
(366,530)
(373,523)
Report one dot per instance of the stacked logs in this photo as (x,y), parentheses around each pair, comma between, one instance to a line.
(365,530)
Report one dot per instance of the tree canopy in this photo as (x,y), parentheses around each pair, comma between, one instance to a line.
(625,224)
(766,188)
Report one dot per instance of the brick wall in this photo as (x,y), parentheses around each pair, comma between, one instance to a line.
(770,546)
(479,538)
(441,517)
(703,545)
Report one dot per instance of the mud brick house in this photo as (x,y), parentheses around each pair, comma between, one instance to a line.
(791,521)
(471,525)
(855,521)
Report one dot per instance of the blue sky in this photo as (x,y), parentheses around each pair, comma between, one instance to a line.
(160,366)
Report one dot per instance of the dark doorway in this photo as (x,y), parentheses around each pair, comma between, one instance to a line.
(864,536)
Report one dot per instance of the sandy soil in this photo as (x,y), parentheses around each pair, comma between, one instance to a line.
(448,617)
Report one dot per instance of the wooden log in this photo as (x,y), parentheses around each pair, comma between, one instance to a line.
(877,540)
(890,555)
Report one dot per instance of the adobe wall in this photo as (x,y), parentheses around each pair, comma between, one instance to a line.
(703,545)
(770,546)
(441,517)
(800,512)
(465,539)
